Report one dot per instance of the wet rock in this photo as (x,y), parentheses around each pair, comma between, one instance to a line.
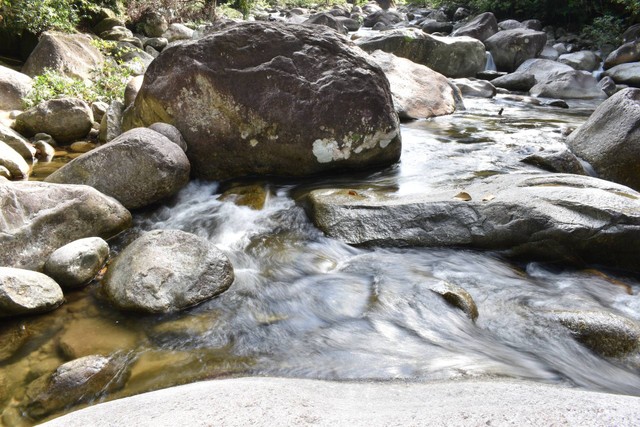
(167,271)
(111,123)
(76,263)
(476,88)
(327,20)
(540,216)
(349,23)
(510,48)
(610,139)
(418,92)
(297,96)
(458,297)
(37,218)
(81,380)
(27,292)
(70,54)
(385,17)
(17,142)
(14,163)
(561,162)
(44,152)
(625,74)
(65,119)
(82,146)
(584,60)
(517,82)
(138,168)
(431,26)
(451,56)
(569,85)
(170,132)
(177,32)
(605,333)
(253,196)
(628,52)
(13,87)
(13,335)
(481,27)
(85,337)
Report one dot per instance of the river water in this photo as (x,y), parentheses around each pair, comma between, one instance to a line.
(307,306)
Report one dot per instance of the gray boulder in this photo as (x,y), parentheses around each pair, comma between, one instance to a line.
(111,123)
(608,85)
(65,119)
(610,139)
(605,333)
(70,54)
(542,216)
(510,48)
(542,69)
(138,168)
(295,96)
(563,161)
(152,24)
(17,142)
(418,92)
(76,263)
(27,292)
(585,60)
(451,56)
(509,24)
(456,296)
(481,27)
(18,168)
(628,52)
(170,132)
(37,218)
(177,32)
(569,85)
(167,271)
(625,74)
(117,33)
(476,88)
(132,89)
(385,17)
(349,23)
(631,33)
(107,24)
(79,381)
(549,52)
(328,20)
(431,26)
(518,82)
(13,87)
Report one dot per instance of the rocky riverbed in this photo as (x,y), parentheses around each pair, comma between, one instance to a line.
(338,243)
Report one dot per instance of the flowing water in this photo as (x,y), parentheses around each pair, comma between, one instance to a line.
(307,306)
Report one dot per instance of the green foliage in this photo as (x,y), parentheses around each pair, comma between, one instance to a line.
(604,30)
(107,83)
(37,16)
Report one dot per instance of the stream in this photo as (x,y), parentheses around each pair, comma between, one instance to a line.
(307,306)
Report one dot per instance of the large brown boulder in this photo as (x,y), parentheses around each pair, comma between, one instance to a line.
(510,48)
(70,54)
(294,100)
(37,218)
(610,139)
(418,91)
(451,56)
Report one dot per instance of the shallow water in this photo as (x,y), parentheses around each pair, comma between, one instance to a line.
(304,305)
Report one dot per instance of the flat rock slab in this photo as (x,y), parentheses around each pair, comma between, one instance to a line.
(294,402)
(551,216)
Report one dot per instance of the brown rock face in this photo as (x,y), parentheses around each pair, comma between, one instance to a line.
(267,98)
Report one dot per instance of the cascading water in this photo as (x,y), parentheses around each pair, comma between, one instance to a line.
(305,305)
(489,64)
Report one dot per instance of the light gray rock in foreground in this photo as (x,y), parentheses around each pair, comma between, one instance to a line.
(167,271)
(37,218)
(551,216)
(76,263)
(27,292)
(295,402)
(13,87)
(137,168)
